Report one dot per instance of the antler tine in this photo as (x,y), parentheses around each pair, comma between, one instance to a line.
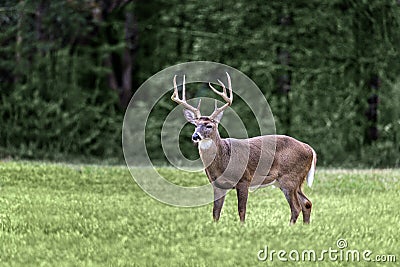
(224,95)
(175,98)
(175,89)
(223,87)
(198,105)
(184,88)
(230,87)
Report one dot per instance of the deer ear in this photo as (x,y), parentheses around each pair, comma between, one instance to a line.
(189,115)
(219,117)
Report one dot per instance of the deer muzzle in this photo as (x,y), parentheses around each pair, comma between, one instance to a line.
(196,137)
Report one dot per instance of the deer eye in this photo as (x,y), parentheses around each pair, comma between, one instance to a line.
(209,126)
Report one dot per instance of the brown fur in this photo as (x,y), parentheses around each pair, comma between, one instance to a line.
(246,163)
(289,167)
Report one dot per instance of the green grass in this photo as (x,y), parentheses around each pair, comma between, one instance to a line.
(69,215)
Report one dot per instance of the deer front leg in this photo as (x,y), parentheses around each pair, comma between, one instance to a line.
(219,197)
(242,190)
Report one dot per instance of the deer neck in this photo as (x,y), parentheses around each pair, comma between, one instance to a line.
(210,150)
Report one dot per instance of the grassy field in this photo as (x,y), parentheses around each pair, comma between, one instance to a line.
(72,215)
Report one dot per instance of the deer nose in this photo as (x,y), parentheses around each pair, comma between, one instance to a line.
(196,137)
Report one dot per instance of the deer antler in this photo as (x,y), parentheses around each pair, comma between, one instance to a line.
(175,98)
(224,95)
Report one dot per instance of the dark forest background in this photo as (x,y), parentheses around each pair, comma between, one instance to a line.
(329,69)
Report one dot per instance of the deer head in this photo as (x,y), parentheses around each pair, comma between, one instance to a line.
(206,126)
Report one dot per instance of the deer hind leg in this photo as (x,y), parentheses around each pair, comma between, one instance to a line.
(305,205)
(294,203)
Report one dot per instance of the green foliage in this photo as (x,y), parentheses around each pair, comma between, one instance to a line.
(55,93)
(335,48)
(54,101)
(52,114)
(91,215)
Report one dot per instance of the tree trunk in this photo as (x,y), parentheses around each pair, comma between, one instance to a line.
(131,36)
(120,77)
(19,40)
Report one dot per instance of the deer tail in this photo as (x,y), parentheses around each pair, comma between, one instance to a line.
(311,172)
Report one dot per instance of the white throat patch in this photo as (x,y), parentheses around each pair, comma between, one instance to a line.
(205,144)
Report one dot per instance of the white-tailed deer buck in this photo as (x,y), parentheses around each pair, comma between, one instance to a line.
(254,162)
